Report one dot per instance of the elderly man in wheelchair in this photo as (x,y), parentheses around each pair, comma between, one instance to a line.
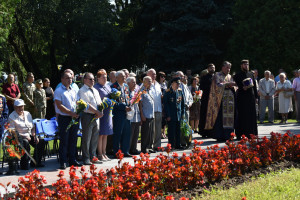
(21,123)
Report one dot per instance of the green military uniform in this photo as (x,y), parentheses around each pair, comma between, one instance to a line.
(28,89)
(174,108)
(39,97)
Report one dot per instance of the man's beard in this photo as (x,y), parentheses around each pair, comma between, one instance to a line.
(245,70)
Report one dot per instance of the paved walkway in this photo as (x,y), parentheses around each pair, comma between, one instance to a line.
(50,171)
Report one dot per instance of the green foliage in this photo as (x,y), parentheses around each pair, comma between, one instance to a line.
(85,35)
(265,32)
(186,33)
(38,35)
(6,18)
(74,33)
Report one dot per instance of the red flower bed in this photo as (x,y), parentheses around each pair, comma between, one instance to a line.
(149,178)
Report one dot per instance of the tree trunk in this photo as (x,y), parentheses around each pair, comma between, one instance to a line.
(30,60)
(55,76)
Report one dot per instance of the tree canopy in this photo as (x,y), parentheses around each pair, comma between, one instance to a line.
(186,34)
(266,32)
(39,35)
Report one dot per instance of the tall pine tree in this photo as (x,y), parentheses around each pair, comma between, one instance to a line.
(186,34)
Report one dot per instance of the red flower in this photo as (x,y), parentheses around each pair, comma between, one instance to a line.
(120,155)
(170,197)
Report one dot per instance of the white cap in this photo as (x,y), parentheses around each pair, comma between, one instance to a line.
(19,102)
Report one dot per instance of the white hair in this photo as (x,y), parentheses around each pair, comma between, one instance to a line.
(147,77)
(267,71)
(282,74)
(151,70)
(129,79)
(179,73)
(132,74)
(120,72)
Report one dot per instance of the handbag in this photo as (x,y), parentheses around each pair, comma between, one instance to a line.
(288,94)
(130,114)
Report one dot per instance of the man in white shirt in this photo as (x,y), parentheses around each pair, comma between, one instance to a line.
(155,92)
(90,127)
(267,91)
(65,101)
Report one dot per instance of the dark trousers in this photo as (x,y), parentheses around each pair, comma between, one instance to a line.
(135,130)
(121,134)
(174,133)
(39,149)
(68,139)
(297,103)
(109,145)
(146,132)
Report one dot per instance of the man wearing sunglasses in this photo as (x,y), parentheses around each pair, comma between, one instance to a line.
(90,127)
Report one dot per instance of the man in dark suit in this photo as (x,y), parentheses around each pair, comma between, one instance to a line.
(121,125)
(174,109)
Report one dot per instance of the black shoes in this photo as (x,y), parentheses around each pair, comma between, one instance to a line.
(152,151)
(63,166)
(134,152)
(75,164)
(145,151)
(127,155)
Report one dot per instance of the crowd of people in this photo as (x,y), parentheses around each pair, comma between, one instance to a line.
(215,104)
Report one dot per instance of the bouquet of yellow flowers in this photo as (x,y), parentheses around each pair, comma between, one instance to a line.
(115,94)
(106,103)
(80,107)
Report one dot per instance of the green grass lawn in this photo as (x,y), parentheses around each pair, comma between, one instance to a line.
(280,185)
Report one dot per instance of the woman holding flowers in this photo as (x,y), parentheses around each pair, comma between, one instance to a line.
(106,125)
(195,108)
